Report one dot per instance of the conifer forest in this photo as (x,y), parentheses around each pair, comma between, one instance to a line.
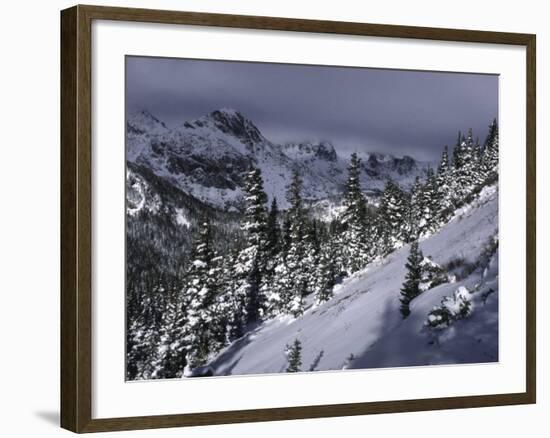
(247,255)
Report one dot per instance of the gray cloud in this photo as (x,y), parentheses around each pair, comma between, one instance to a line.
(392,111)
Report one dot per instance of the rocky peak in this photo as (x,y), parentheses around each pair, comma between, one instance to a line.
(404,165)
(326,151)
(143,121)
(232,122)
(323,150)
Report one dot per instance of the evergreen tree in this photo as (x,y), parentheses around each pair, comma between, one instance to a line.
(250,266)
(478,173)
(469,155)
(296,268)
(294,356)
(290,281)
(477,150)
(172,351)
(354,200)
(444,186)
(223,307)
(490,153)
(235,326)
(286,234)
(201,290)
(254,299)
(312,254)
(280,292)
(233,302)
(203,251)
(394,214)
(416,209)
(255,221)
(273,230)
(444,166)
(430,204)
(326,277)
(411,286)
(141,338)
(337,243)
(354,219)
(464,174)
(457,151)
(296,210)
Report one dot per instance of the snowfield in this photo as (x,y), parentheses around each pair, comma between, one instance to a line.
(361,326)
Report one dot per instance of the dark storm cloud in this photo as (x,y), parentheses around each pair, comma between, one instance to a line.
(392,111)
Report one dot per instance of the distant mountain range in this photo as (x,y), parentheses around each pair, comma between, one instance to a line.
(207,159)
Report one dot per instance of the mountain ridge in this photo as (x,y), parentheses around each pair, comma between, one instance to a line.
(207,158)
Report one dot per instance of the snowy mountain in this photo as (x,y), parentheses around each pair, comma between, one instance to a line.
(208,157)
(406,278)
(161,221)
(361,326)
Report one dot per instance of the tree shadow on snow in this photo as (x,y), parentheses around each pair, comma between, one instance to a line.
(224,364)
(388,351)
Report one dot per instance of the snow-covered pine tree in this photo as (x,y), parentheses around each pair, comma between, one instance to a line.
(416,208)
(393,212)
(286,234)
(222,308)
(279,292)
(326,275)
(312,254)
(455,177)
(201,293)
(376,239)
(444,165)
(457,151)
(296,267)
(273,232)
(444,186)
(293,273)
(490,153)
(232,302)
(464,174)
(334,238)
(430,204)
(141,342)
(251,263)
(294,356)
(354,200)
(372,238)
(273,256)
(147,300)
(172,351)
(295,213)
(411,286)
(254,299)
(478,173)
(255,217)
(354,219)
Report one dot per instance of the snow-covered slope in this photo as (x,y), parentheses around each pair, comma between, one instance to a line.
(361,326)
(207,158)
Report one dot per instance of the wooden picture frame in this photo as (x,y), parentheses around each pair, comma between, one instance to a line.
(76,218)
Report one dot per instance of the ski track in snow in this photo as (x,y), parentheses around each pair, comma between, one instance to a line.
(363,318)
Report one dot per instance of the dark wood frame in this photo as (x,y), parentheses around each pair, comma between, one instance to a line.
(76,236)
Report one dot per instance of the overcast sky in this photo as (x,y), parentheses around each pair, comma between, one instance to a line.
(391,111)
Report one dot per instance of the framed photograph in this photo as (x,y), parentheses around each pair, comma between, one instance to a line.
(269,218)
